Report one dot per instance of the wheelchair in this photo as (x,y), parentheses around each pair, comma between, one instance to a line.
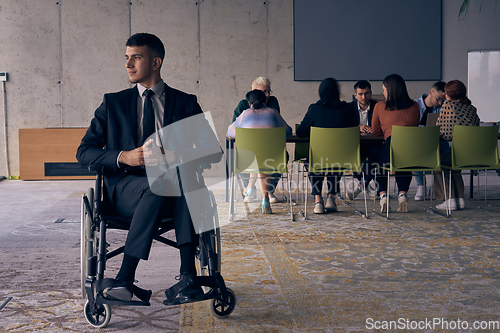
(95,253)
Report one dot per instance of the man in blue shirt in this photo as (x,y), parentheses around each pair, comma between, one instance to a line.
(428,103)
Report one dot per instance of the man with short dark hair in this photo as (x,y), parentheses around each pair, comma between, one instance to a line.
(116,139)
(363,106)
(428,103)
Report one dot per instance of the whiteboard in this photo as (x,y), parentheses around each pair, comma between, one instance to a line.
(484,84)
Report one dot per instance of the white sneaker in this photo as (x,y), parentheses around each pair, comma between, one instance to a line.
(383,203)
(461,203)
(318,208)
(331,205)
(420,193)
(273,199)
(451,202)
(403,203)
(371,188)
(351,195)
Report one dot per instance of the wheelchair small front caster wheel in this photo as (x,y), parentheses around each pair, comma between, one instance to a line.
(222,309)
(100,318)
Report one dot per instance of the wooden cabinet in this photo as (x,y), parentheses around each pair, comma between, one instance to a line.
(49,153)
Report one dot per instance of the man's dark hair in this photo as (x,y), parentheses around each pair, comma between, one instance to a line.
(363,84)
(439,86)
(149,40)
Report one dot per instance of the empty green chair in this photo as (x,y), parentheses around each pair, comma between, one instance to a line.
(474,148)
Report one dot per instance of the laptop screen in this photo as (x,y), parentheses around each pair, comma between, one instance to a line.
(431,119)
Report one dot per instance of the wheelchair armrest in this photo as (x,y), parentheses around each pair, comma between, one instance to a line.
(97,168)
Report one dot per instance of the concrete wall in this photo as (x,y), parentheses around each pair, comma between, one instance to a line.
(61,56)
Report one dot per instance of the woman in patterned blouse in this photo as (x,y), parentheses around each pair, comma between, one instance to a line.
(456,110)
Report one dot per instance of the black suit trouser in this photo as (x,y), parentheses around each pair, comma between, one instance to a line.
(133,197)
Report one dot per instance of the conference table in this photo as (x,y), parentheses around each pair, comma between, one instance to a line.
(364,138)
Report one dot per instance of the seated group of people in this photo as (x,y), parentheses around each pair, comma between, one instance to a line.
(261,110)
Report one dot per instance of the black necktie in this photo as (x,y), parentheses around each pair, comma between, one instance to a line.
(148,120)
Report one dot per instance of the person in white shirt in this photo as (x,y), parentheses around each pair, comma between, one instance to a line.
(363,106)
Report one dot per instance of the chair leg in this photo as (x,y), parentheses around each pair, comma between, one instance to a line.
(388,196)
(448,202)
(444,191)
(364,191)
(290,196)
(305,200)
(375,196)
(485,186)
(231,196)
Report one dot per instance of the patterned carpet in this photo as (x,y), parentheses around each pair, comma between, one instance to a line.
(336,272)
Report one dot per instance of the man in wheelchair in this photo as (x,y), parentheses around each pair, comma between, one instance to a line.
(146,167)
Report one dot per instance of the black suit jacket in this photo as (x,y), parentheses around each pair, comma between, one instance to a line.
(332,115)
(354,105)
(114,129)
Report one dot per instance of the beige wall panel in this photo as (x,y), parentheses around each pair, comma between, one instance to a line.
(94,33)
(29,36)
(479,31)
(214,49)
(176,24)
(233,43)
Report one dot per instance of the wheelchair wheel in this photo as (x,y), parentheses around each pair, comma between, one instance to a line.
(87,240)
(100,318)
(221,309)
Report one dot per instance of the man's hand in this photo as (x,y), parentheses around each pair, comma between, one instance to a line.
(149,154)
(365,129)
(155,155)
(132,157)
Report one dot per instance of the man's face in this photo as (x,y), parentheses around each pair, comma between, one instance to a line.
(437,98)
(139,65)
(363,96)
(264,88)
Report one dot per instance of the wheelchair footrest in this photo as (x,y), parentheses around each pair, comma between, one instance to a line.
(102,300)
(184,300)
(143,294)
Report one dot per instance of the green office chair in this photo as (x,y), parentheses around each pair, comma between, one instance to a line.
(413,149)
(335,150)
(474,148)
(300,156)
(259,150)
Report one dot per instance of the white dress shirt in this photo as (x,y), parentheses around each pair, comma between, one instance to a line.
(363,115)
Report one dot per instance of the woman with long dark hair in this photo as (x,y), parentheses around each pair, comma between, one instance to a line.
(328,112)
(398,109)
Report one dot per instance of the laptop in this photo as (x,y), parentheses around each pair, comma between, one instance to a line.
(431,119)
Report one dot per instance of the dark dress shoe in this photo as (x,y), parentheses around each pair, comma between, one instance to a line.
(120,291)
(191,291)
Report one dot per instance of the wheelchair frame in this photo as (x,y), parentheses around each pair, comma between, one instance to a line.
(94,254)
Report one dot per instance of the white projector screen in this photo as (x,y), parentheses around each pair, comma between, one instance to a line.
(367,40)
(483,83)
